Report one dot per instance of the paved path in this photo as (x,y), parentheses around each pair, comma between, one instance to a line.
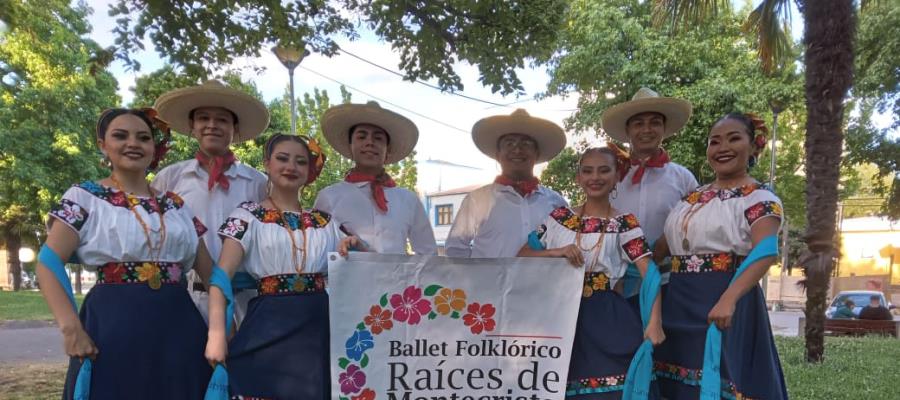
(30,342)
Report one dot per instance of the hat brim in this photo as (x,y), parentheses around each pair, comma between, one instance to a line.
(337,121)
(676,111)
(175,107)
(550,137)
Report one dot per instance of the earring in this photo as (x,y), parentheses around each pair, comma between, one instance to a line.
(105,162)
(268,186)
(615,192)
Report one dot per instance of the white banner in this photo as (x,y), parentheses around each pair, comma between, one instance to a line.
(436,328)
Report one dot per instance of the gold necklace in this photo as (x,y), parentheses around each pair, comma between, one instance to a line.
(131,201)
(578,236)
(294,249)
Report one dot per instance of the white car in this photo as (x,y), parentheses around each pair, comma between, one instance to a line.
(860,299)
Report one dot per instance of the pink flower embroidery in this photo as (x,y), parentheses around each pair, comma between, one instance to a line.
(352,380)
(707,196)
(479,318)
(411,306)
(174,273)
(694,264)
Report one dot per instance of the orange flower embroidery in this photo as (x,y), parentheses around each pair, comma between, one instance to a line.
(720,262)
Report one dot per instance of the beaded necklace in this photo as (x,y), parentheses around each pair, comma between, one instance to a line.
(131,201)
(294,249)
(596,245)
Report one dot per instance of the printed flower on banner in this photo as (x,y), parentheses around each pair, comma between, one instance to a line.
(378,320)
(411,306)
(352,380)
(694,264)
(358,343)
(367,394)
(479,318)
(450,300)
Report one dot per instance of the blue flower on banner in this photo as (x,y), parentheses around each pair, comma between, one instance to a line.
(358,343)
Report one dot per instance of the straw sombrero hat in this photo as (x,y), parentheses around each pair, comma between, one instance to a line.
(175,106)
(676,111)
(337,121)
(549,136)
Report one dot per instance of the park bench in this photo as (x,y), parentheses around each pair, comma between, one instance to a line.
(857,327)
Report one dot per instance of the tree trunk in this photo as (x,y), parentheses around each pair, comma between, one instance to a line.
(13,242)
(78,279)
(830,26)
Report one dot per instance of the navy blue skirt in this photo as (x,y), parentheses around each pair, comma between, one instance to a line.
(281,350)
(750,367)
(151,343)
(607,335)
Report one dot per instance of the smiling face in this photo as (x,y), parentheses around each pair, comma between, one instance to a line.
(597,174)
(288,165)
(128,142)
(370,146)
(214,128)
(517,154)
(729,148)
(645,132)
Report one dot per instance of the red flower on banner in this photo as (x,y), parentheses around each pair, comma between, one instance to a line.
(479,318)
(411,306)
(378,320)
(353,380)
(366,394)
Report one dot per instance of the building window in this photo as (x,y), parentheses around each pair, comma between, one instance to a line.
(443,214)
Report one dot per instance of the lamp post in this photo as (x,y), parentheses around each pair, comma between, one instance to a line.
(777,107)
(290,57)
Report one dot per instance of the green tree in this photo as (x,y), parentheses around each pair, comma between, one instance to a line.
(560,175)
(54,85)
(429,35)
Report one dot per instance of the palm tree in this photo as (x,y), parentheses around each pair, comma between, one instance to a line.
(828,39)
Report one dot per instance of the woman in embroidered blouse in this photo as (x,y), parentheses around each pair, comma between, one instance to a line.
(281,349)
(708,234)
(137,324)
(603,241)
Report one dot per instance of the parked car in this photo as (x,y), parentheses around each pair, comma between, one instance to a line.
(860,299)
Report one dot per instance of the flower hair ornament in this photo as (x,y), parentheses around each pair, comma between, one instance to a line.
(623,160)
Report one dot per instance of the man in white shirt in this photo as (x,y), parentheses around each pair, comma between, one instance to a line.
(495,220)
(368,202)
(652,185)
(214,183)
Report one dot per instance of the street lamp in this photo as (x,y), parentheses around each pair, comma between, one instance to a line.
(290,57)
(777,107)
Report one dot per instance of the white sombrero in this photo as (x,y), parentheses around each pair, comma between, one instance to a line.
(175,107)
(337,121)
(549,136)
(676,111)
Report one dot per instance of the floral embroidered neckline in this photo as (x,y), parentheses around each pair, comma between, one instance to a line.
(620,223)
(705,194)
(167,201)
(311,219)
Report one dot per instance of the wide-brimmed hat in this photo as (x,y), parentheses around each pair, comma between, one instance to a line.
(549,136)
(676,111)
(175,107)
(337,121)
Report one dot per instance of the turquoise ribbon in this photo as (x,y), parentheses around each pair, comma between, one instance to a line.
(242,280)
(534,243)
(711,380)
(640,372)
(49,259)
(218,383)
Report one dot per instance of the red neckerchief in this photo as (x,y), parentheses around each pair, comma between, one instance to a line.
(523,187)
(217,166)
(378,183)
(657,161)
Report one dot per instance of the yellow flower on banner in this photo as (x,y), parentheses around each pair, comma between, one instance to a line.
(448,300)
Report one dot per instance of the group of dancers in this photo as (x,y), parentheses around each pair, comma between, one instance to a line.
(215,264)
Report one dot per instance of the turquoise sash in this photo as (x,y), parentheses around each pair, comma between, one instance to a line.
(711,380)
(218,383)
(51,260)
(640,372)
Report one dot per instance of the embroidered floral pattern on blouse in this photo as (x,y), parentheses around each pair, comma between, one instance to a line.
(636,248)
(705,195)
(594,282)
(166,201)
(762,209)
(595,385)
(153,274)
(567,218)
(310,219)
(700,263)
(284,284)
(233,228)
(71,213)
(199,227)
(691,377)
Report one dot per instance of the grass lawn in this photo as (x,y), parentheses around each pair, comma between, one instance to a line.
(26,305)
(854,368)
